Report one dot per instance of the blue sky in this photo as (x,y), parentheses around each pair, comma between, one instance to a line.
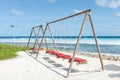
(25,14)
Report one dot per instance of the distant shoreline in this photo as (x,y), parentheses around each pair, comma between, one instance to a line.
(108,44)
(112,57)
(60,36)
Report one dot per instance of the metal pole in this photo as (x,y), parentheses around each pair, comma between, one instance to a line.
(35,39)
(77,43)
(37,26)
(52,37)
(40,27)
(45,38)
(29,37)
(36,35)
(95,37)
(42,37)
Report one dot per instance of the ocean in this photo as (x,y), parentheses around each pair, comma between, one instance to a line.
(108,44)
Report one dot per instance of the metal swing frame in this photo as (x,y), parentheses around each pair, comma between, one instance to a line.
(33,31)
(87,13)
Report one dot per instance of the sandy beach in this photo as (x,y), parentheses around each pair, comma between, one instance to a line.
(48,67)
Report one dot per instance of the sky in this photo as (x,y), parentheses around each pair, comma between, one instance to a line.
(24,14)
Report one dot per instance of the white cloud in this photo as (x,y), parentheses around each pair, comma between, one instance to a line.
(118,14)
(114,4)
(76,10)
(17,13)
(51,1)
(118,29)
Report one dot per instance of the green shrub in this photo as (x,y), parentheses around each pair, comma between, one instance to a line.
(9,51)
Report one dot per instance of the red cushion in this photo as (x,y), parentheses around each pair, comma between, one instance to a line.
(60,55)
(49,51)
(66,56)
(52,52)
(79,60)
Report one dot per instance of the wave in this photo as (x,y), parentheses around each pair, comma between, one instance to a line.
(107,45)
(106,41)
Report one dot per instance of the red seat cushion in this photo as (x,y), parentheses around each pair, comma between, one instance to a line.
(65,56)
(52,52)
(79,60)
(60,55)
(49,51)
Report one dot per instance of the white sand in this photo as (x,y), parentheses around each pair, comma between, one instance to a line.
(48,67)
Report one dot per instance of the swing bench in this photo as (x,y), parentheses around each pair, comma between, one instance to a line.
(66,56)
(71,59)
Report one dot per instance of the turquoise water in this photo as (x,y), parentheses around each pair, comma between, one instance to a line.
(108,45)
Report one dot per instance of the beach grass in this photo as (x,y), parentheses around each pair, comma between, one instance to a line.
(9,51)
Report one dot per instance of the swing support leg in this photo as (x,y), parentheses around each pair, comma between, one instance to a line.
(79,37)
(95,37)
(30,37)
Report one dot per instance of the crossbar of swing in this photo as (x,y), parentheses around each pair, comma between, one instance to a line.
(70,16)
(37,26)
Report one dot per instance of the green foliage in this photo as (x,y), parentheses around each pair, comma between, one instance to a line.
(9,51)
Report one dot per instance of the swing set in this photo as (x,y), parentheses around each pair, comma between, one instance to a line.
(87,16)
(36,32)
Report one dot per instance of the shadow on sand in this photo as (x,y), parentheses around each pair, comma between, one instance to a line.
(56,65)
(113,67)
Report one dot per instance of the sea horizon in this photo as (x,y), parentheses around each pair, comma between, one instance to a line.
(108,44)
(59,36)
